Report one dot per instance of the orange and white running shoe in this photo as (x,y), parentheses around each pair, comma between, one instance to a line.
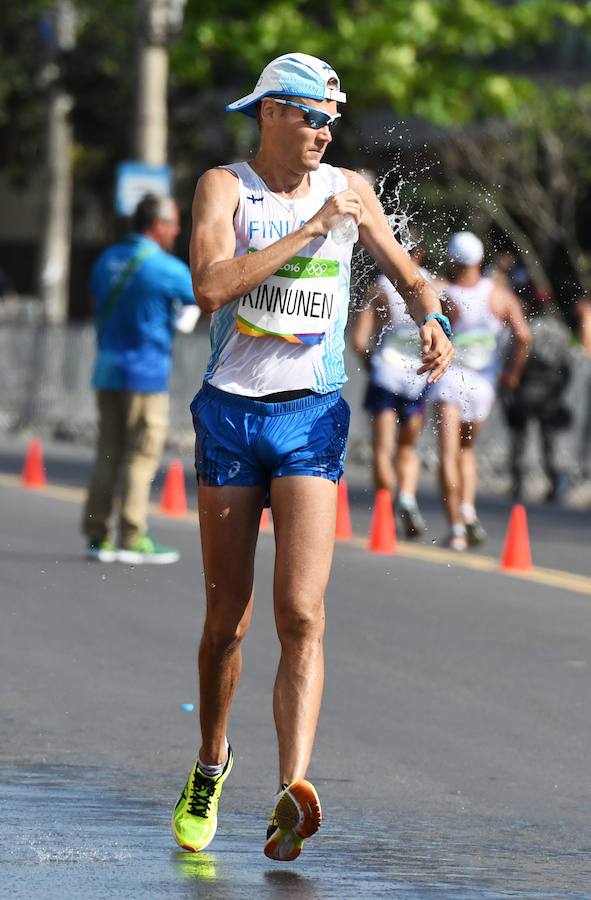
(297,815)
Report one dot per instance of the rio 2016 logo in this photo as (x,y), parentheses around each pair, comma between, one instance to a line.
(315,269)
(312,269)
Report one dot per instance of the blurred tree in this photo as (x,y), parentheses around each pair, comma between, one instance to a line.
(22,114)
(426,58)
(460,65)
(97,73)
(532,179)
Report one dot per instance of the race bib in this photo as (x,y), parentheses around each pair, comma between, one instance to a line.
(298,303)
(476,350)
(401,351)
(395,364)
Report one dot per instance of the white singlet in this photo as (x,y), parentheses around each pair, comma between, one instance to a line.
(397,356)
(470,381)
(288,333)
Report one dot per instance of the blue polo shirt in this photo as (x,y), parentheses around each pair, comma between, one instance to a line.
(134,345)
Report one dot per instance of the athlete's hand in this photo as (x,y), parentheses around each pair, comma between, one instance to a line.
(345,203)
(436,351)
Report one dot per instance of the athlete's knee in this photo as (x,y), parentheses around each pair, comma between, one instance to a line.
(224,635)
(300,623)
(406,452)
(383,456)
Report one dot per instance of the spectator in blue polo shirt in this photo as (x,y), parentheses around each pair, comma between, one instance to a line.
(142,294)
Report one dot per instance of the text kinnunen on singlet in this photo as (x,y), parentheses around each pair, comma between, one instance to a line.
(291,302)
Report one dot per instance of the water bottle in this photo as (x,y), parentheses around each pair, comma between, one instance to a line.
(345,231)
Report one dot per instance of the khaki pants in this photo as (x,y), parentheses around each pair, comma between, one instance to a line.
(132,431)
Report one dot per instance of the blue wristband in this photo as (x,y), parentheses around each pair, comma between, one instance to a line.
(443,321)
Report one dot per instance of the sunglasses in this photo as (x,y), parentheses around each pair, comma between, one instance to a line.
(315,118)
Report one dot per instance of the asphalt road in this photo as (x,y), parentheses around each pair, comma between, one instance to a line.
(452,754)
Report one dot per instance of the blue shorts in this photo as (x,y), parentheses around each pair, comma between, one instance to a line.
(243,441)
(377,399)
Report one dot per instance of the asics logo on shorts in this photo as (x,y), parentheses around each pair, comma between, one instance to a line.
(234,469)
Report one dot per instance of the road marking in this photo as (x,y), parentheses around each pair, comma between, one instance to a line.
(568,581)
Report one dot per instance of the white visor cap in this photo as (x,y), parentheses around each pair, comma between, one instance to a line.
(292,75)
(466,249)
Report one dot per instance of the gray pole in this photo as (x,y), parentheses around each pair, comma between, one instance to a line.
(151,125)
(54,267)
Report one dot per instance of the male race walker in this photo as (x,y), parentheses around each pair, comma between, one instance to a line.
(271,426)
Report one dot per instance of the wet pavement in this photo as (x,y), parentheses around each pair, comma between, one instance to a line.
(72,833)
(452,753)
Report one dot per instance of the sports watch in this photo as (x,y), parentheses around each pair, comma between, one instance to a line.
(443,321)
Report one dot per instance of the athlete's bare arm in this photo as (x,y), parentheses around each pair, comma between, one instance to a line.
(218,276)
(506,306)
(583,314)
(450,309)
(377,238)
(373,315)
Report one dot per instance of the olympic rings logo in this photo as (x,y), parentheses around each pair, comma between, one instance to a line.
(315,269)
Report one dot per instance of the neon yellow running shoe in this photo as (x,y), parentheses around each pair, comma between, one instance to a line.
(195,817)
(297,815)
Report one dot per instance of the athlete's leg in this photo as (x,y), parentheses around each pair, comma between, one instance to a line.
(408,464)
(383,440)
(517,445)
(548,435)
(468,462)
(448,416)
(229,519)
(304,515)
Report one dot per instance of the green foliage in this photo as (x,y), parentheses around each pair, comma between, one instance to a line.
(446,61)
(21,111)
(99,73)
(424,57)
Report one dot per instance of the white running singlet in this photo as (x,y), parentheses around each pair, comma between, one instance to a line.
(288,333)
(397,356)
(470,381)
(476,329)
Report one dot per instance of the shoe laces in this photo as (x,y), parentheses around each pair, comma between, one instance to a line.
(202,790)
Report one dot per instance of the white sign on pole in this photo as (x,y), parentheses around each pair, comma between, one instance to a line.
(133,180)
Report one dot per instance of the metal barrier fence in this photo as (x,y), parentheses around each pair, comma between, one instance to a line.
(45,386)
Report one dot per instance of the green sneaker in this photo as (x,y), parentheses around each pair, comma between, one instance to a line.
(103,550)
(195,817)
(146,550)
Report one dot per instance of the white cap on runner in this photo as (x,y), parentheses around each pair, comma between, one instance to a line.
(466,249)
(292,75)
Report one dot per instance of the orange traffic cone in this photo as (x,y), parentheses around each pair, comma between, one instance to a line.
(344,531)
(33,474)
(382,534)
(516,553)
(173,501)
(265,519)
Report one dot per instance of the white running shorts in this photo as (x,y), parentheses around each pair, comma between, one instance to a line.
(472,392)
